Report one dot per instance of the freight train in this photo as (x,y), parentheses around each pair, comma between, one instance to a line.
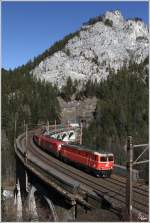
(99,164)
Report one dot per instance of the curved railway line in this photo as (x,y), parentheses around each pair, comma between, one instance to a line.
(113,187)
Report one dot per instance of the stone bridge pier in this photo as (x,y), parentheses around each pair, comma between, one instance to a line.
(36,201)
(43,207)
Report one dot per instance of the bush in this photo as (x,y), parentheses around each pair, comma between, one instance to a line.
(108,22)
(94,20)
(67,51)
(141,38)
(136,19)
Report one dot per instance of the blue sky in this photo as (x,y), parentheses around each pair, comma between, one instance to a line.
(29,28)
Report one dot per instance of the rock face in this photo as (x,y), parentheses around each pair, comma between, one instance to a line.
(109,43)
(77,111)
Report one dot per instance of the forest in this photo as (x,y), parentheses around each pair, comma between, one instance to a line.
(24,100)
(122,106)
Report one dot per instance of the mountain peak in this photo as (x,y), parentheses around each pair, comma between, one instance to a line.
(114,16)
(107,43)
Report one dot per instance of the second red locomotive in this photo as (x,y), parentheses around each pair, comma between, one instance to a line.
(100,164)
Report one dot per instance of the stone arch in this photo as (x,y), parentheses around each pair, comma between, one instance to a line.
(31,204)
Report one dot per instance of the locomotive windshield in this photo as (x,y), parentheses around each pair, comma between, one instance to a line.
(111,158)
(103,159)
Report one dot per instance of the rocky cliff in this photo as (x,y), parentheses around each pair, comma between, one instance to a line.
(110,42)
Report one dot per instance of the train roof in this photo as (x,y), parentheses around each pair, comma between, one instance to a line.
(80,147)
(53,139)
(88,149)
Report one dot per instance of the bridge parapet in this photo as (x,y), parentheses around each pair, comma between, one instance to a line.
(65,185)
(41,165)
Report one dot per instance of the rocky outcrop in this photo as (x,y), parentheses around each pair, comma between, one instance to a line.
(90,54)
(77,111)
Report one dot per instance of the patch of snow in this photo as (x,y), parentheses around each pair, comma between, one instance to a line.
(7,194)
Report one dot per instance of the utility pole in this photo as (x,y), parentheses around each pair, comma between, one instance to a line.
(24,125)
(68,124)
(81,133)
(15,130)
(130,164)
(26,143)
(55,125)
(129,193)
(48,127)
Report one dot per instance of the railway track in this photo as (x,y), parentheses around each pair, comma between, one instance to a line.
(113,187)
(122,182)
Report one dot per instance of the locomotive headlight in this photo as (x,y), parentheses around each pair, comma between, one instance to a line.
(59,146)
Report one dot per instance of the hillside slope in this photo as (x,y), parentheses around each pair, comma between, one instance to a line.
(109,42)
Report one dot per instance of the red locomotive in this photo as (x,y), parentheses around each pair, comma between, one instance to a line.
(49,144)
(100,164)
